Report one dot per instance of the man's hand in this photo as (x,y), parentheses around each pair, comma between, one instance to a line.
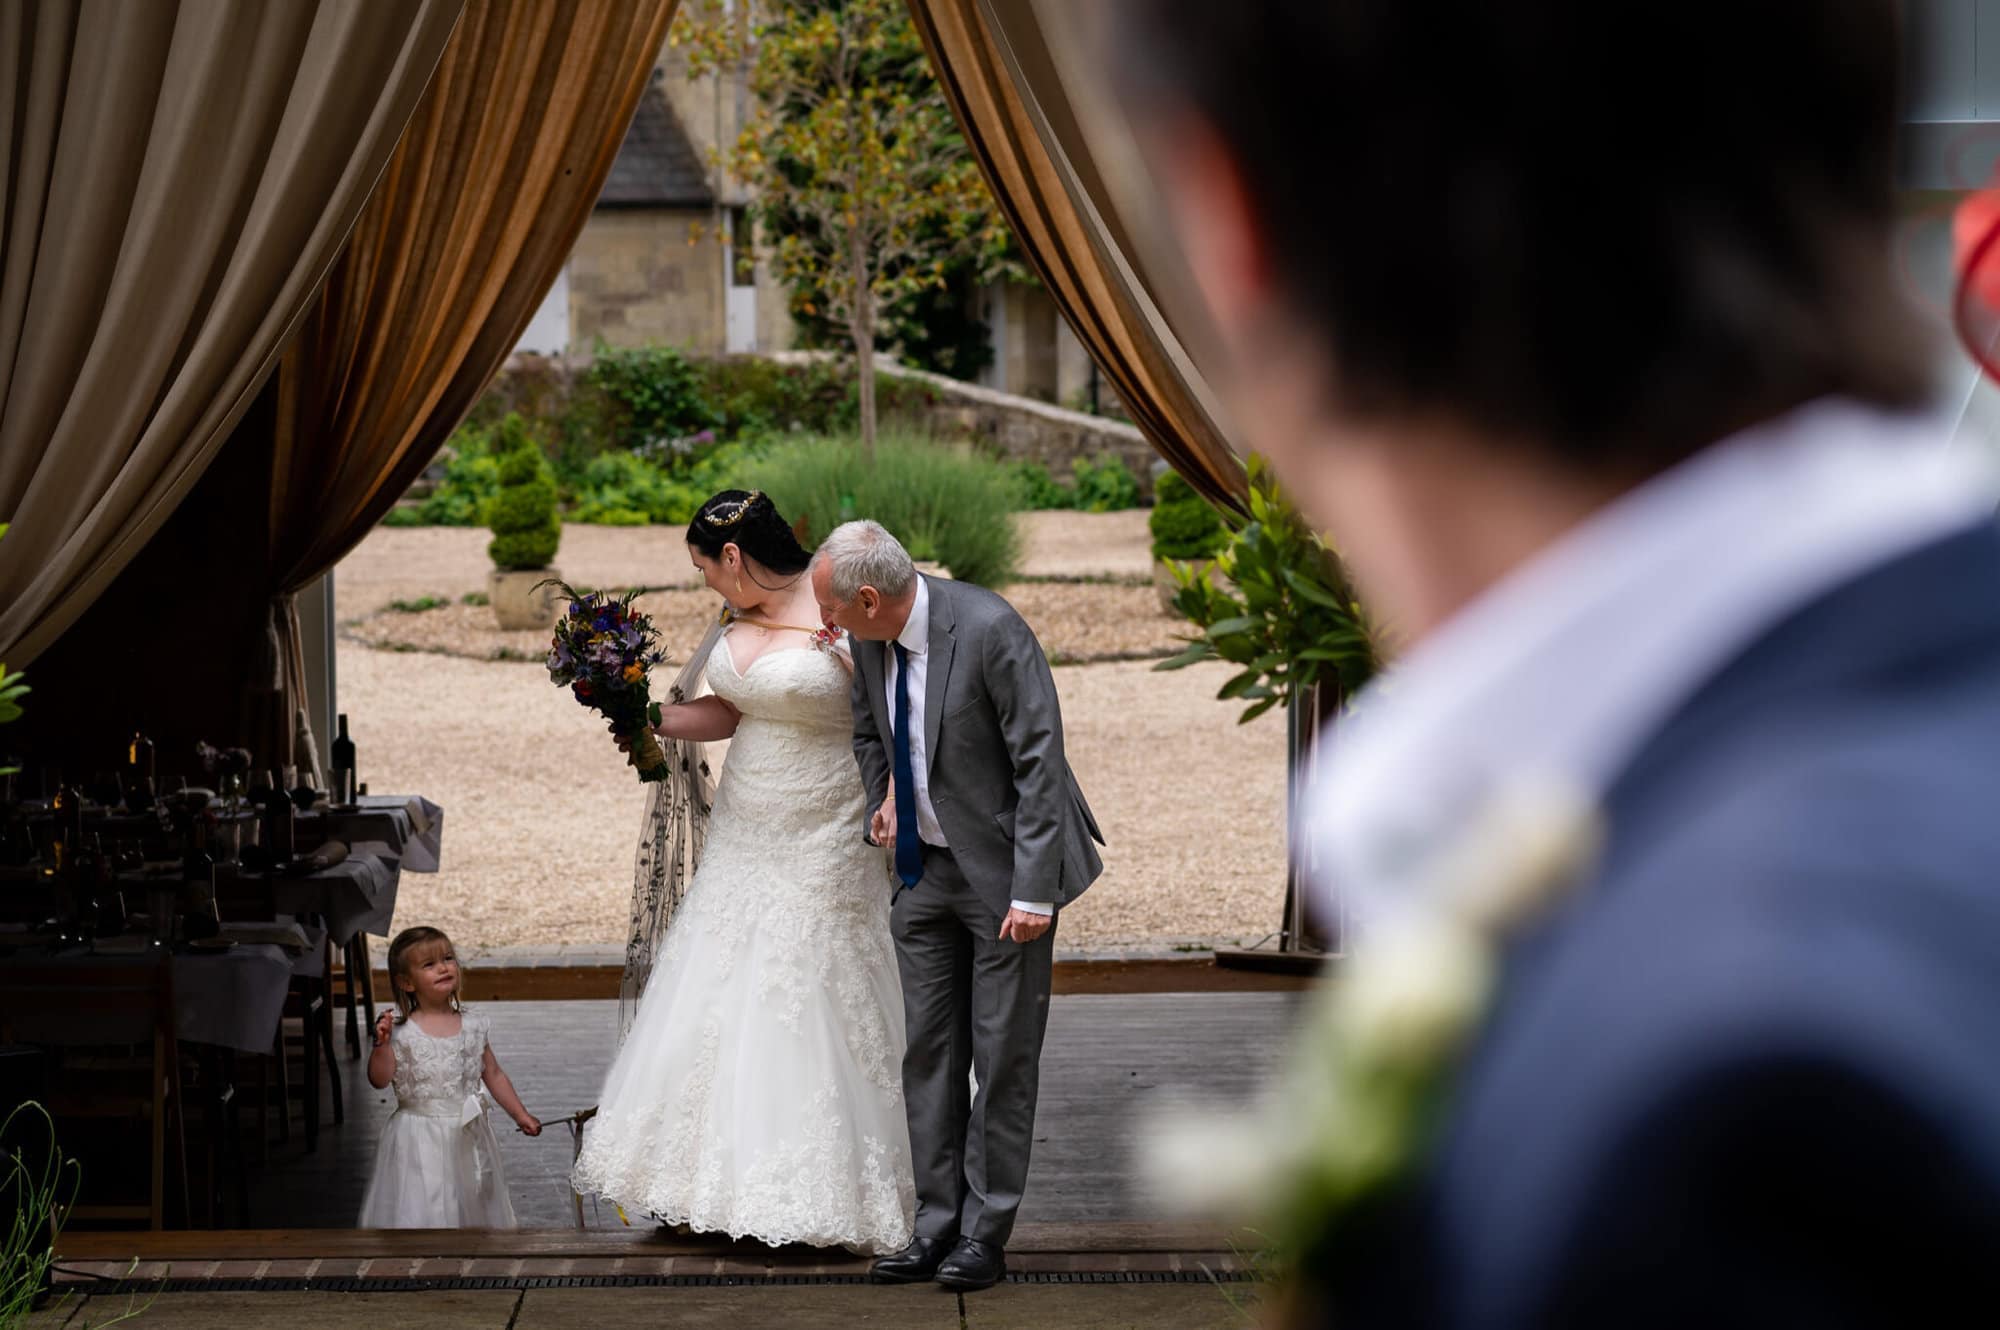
(1024,926)
(882,825)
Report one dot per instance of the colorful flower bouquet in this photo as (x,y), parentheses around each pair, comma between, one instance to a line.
(603,652)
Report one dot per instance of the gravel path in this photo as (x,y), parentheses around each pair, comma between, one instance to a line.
(542,814)
(1077,622)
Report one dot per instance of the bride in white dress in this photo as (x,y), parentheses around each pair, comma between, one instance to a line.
(758,1091)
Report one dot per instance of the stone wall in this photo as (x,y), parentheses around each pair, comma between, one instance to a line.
(1027,430)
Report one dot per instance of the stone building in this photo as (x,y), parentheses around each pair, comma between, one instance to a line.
(669,254)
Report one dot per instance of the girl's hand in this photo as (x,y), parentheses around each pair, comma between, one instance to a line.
(529,1124)
(383,1025)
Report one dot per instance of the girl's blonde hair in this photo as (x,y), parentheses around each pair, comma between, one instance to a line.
(402,957)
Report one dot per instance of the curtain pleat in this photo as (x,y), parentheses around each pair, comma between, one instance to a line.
(177,179)
(997,68)
(475,215)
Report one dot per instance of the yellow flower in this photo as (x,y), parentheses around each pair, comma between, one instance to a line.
(634,672)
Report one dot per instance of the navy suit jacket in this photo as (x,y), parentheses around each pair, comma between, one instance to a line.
(1749,1073)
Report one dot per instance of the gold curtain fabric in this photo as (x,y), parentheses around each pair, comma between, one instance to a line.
(996,63)
(178,177)
(474,217)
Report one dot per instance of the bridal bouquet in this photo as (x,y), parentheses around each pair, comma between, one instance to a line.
(603,652)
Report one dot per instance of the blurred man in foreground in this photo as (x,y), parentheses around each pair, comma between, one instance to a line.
(1581,336)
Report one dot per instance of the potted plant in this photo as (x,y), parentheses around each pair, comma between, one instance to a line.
(1278,607)
(1186,530)
(525,529)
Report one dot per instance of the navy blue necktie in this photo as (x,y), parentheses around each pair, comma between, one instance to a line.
(909,850)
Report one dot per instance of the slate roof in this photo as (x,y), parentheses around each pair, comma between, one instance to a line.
(657,166)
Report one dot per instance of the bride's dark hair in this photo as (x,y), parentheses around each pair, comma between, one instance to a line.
(748,520)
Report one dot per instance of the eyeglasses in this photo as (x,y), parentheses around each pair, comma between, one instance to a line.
(732,512)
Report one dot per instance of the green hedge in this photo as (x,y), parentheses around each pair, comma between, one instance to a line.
(946,504)
(1103,486)
(1185,527)
(526,530)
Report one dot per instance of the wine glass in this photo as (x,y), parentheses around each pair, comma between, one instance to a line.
(106,789)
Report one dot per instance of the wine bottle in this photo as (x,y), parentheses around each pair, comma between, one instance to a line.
(139,759)
(107,903)
(343,765)
(66,811)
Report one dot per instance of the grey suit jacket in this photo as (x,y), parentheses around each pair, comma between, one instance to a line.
(1018,825)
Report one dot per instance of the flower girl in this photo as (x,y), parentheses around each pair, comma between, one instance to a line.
(438,1165)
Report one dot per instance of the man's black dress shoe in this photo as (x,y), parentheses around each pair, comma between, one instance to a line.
(914,1264)
(972,1265)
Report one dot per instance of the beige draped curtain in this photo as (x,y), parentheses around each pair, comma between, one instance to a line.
(178,177)
(474,217)
(998,66)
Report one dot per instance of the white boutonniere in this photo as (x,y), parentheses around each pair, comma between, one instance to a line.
(1352,1111)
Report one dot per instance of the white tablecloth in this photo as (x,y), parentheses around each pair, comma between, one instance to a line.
(410,825)
(356,895)
(230,998)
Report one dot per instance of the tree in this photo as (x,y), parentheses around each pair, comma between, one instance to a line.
(854,145)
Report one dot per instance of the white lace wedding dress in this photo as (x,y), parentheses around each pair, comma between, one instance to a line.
(759,1092)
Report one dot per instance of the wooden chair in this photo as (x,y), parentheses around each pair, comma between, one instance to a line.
(109,1028)
(306,1024)
(352,988)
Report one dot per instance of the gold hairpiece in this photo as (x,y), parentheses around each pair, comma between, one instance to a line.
(740,506)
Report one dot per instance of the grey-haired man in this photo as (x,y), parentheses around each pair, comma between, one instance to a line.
(959,735)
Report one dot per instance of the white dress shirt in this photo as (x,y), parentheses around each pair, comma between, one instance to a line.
(1563,669)
(915,639)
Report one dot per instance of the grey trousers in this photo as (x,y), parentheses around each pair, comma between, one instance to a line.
(971,1002)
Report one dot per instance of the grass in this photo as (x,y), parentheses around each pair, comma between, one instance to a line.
(423,603)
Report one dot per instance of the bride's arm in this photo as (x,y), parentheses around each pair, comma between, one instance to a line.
(703,720)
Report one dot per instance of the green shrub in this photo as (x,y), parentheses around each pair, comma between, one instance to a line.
(471,479)
(522,515)
(1106,486)
(753,397)
(651,394)
(620,489)
(945,503)
(1038,491)
(1185,527)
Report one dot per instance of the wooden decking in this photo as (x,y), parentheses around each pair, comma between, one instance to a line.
(1108,1061)
(1090,1250)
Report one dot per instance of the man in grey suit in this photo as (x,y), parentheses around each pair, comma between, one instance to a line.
(960,740)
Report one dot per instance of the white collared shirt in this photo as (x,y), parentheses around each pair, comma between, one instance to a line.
(915,639)
(1560,671)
